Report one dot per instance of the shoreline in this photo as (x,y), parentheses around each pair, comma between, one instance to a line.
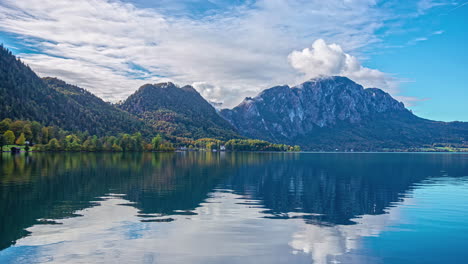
(185,151)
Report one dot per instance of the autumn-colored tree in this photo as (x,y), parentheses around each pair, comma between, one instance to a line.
(148,147)
(166,146)
(210,146)
(21,139)
(116,148)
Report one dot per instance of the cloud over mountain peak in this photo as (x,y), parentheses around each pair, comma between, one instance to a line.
(324,59)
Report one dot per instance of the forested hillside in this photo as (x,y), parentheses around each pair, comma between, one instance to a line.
(180,112)
(53,102)
(106,118)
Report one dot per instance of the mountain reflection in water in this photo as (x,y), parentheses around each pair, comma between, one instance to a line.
(229,207)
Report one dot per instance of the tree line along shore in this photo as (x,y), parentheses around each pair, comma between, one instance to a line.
(23,135)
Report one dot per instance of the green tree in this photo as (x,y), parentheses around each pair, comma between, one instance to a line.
(166,146)
(126,142)
(53,145)
(97,143)
(21,139)
(109,142)
(138,141)
(36,132)
(9,137)
(53,132)
(156,142)
(2,142)
(39,147)
(17,126)
(28,134)
(88,145)
(116,148)
(45,135)
(72,143)
(5,125)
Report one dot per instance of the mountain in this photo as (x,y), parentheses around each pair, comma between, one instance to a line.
(180,112)
(336,113)
(101,117)
(160,108)
(53,102)
(321,114)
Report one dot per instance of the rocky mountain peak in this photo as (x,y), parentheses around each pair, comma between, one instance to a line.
(151,87)
(189,88)
(285,112)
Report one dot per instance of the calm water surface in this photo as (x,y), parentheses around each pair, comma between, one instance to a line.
(234,208)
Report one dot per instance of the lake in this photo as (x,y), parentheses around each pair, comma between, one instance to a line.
(234,208)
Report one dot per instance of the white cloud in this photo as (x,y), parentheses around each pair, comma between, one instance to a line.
(96,44)
(112,232)
(425,5)
(425,38)
(324,59)
(112,47)
(325,243)
(208,91)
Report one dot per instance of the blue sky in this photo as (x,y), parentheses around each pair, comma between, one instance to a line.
(436,68)
(230,49)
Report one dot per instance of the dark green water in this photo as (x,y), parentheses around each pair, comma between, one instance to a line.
(233,208)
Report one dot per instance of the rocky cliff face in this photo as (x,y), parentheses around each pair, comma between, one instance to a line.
(333,112)
(285,112)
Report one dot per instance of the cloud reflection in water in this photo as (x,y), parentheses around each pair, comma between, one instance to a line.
(226,228)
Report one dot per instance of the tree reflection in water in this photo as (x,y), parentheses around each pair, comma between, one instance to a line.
(180,205)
